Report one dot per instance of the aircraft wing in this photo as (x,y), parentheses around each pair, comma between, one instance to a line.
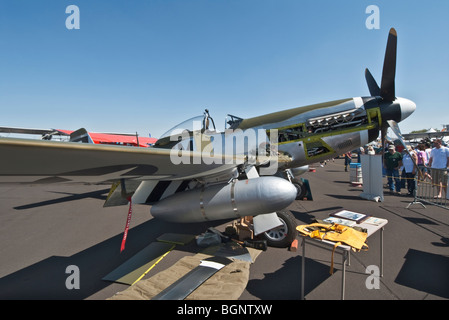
(98,138)
(25,130)
(439,134)
(40,161)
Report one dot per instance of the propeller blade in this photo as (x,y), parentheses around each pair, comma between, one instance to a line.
(372,84)
(395,128)
(383,136)
(387,87)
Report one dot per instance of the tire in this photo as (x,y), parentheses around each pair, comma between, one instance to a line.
(300,188)
(282,236)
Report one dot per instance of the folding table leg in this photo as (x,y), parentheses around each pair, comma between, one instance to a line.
(343,275)
(382,251)
(303,266)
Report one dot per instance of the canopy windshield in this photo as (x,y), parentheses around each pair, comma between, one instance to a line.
(195,123)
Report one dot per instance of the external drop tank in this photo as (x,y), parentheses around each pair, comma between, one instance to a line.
(232,200)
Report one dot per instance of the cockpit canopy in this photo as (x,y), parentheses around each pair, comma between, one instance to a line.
(203,123)
(192,124)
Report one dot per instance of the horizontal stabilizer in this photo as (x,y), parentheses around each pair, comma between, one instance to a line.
(81,135)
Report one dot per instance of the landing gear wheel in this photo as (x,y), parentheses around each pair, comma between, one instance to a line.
(282,236)
(300,188)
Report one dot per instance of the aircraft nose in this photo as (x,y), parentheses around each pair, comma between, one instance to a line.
(407,107)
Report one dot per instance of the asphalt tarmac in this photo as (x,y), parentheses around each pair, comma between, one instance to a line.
(46,228)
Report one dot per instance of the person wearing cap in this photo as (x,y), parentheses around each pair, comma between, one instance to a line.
(439,161)
(410,162)
(392,163)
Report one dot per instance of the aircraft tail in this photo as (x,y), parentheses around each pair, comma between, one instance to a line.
(80,135)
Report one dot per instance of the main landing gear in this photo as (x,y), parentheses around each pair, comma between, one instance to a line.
(282,236)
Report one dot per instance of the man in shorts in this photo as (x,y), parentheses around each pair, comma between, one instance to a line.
(439,160)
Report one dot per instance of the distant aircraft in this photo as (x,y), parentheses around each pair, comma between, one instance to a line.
(194,173)
(426,135)
(81,135)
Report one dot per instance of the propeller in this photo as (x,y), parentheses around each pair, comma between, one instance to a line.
(374,89)
(395,128)
(383,136)
(387,89)
(392,108)
(387,86)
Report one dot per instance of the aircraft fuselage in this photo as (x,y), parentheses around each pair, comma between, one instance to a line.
(302,135)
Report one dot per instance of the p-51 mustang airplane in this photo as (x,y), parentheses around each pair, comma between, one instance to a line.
(194,173)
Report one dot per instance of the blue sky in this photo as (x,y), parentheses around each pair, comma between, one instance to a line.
(148,65)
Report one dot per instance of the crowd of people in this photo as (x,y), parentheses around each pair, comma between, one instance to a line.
(429,160)
(429,163)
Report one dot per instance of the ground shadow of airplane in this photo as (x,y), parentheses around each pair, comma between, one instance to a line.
(98,194)
(46,279)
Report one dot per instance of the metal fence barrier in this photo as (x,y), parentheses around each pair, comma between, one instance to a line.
(431,187)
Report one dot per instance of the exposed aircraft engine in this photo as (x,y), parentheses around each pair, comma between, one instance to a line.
(236,199)
(337,121)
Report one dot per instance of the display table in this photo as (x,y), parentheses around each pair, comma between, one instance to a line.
(372,225)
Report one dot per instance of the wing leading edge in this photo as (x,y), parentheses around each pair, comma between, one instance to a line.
(36,161)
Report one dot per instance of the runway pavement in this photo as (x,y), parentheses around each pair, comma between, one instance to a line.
(46,228)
